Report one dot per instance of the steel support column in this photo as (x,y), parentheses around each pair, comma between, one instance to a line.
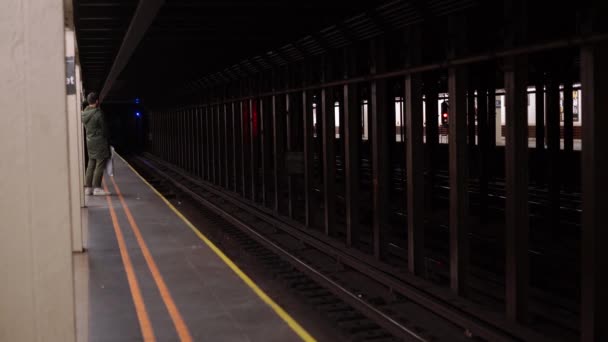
(199,147)
(182,138)
(516,170)
(227,157)
(553,149)
(540,130)
(218,145)
(471,118)
(308,158)
(568,120)
(352,138)
(234,147)
(242,123)
(278,130)
(213,147)
(379,148)
(458,168)
(415,173)
(290,137)
(492,118)
(568,132)
(190,143)
(262,111)
(329,160)
(484,147)
(208,147)
(252,152)
(431,138)
(594,282)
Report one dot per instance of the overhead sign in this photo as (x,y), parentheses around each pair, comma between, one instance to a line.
(70,75)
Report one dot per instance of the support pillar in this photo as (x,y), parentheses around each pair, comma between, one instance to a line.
(594,297)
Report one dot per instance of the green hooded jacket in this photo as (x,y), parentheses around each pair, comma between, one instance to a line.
(94,123)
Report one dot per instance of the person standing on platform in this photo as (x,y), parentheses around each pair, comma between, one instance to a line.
(98,148)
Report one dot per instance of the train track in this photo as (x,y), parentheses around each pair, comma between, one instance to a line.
(380,303)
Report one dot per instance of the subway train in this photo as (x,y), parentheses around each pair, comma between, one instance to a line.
(443,119)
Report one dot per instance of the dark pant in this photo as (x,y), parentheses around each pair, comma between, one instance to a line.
(95,173)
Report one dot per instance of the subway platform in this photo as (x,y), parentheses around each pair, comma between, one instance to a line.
(150,275)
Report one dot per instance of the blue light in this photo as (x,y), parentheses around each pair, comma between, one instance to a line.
(137,100)
(138,114)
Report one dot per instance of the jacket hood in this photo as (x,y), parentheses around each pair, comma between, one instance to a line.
(88,113)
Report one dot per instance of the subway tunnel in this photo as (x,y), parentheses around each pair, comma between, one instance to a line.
(337,170)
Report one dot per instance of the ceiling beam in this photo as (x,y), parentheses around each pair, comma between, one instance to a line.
(142,19)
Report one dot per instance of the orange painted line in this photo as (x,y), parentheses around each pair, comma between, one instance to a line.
(140,307)
(176,317)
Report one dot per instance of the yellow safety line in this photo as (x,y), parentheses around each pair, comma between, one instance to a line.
(295,326)
(147,331)
(176,317)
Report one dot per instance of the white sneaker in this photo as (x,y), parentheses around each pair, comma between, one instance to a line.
(88,191)
(100,192)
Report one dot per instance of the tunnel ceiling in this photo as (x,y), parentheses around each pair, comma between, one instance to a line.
(192,41)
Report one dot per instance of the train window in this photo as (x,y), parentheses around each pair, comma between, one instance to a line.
(575,104)
(337,118)
(314,120)
(399,120)
(364,121)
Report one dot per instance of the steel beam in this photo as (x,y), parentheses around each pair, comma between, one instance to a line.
(217,147)
(197,128)
(431,137)
(173,137)
(234,146)
(191,145)
(278,129)
(516,169)
(174,147)
(208,145)
(262,111)
(163,136)
(352,139)
(329,161)
(253,153)
(183,136)
(568,118)
(242,123)
(290,135)
(540,130)
(594,261)
(180,138)
(471,118)
(226,156)
(568,132)
(144,15)
(484,147)
(171,118)
(308,158)
(553,149)
(213,144)
(379,148)
(186,139)
(415,173)
(492,117)
(458,169)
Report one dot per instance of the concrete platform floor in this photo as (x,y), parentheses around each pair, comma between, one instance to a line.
(147,276)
